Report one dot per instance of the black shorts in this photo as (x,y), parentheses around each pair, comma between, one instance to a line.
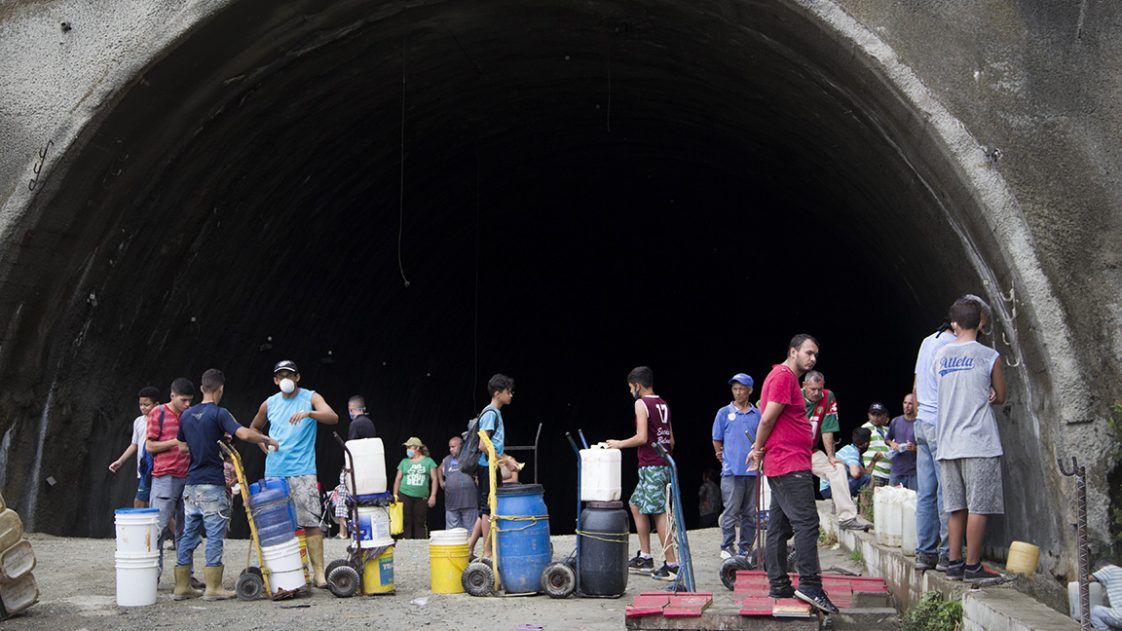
(484,484)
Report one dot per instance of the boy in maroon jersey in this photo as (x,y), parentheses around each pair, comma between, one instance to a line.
(652,424)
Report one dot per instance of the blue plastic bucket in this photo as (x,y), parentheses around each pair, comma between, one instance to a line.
(522,523)
(273,512)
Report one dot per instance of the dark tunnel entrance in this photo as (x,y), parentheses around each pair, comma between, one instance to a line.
(584,189)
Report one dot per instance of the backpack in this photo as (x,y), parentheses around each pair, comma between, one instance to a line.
(147,464)
(470,453)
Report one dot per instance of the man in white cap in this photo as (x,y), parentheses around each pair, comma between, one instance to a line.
(287,413)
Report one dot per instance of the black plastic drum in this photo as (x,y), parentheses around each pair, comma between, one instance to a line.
(603,554)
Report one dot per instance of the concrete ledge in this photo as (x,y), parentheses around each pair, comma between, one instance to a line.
(992,609)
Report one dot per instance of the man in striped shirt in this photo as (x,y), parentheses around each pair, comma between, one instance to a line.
(878,455)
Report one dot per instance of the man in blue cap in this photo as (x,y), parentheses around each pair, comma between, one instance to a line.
(738,483)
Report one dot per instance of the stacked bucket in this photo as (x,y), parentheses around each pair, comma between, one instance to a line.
(138,556)
(275,518)
(18,590)
(604,525)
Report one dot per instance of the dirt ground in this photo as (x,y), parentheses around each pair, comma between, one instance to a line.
(77,592)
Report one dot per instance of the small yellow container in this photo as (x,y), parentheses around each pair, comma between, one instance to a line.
(1022,558)
(377,576)
(397,518)
(447,565)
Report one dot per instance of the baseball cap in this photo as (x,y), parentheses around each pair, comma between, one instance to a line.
(288,365)
(878,408)
(742,378)
(413,442)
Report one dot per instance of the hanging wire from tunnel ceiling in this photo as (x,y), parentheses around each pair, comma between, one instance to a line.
(401,177)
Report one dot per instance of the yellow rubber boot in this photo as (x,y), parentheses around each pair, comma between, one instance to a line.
(315,555)
(214,591)
(183,589)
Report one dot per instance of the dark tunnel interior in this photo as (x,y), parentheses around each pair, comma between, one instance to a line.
(569,192)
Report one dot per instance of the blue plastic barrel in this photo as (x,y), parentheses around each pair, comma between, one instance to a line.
(523,537)
(273,512)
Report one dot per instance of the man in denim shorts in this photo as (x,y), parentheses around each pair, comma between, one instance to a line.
(205,502)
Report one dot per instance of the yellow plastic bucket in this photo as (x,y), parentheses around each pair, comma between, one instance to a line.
(447,565)
(397,518)
(377,576)
(1022,558)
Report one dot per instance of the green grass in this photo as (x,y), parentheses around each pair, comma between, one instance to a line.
(856,556)
(932,613)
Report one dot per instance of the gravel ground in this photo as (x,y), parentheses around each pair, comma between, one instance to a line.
(77,586)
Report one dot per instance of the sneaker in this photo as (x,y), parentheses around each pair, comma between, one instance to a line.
(786,592)
(956,570)
(981,576)
(943,563)
(855,523)
(817,598)
(926,561)
(725,554)
(640,564)
(665,573)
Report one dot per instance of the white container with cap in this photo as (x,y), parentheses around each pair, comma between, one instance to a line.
(908,537)
(369,466)
(600,474)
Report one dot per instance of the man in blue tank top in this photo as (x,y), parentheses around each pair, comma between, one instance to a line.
(287,414)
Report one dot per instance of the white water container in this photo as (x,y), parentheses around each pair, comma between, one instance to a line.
(369,466)
(16,561)
(599,474)
(908,537)
(20,594)
(374,527)
(453,537)
(892,520)
(137,530)
(1097,598)
(11,529)
(880,514)
(286,569)
(137,575)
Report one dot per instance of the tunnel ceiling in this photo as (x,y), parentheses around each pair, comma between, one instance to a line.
(585,187)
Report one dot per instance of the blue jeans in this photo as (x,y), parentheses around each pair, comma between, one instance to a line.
(738,492)
(931,521)
(204,506)
(908,481)
(167,497)
(855,485)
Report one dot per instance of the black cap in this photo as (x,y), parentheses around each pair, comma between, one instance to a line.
(878,408)
(288,365)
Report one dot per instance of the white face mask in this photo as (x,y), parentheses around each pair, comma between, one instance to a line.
(287,385)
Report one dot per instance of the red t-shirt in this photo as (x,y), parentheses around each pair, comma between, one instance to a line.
(169,462)
(658,430)
(789,445)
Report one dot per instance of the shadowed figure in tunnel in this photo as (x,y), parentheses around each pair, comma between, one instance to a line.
(652,424)
(822,411)
(738,484)
(169,465)
(784,444)
(970,380)
(205,502)
(147,398)
(361,426)
(291,415)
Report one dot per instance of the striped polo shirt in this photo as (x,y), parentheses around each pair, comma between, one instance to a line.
(878,444)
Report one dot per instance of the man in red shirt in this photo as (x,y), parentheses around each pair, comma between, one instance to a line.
(169,466)
(784,441)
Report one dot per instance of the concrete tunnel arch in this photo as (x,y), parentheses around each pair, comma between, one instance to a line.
(236,138)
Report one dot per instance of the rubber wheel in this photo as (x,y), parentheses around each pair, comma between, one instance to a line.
(250,585)
(253,569)
(729,569)
(334,564)
(343,581)
(559,580)
(478,579)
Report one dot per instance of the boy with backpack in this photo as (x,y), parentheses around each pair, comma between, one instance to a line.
(147,398)
(473,460)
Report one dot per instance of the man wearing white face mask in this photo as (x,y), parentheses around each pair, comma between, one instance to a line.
(287,414)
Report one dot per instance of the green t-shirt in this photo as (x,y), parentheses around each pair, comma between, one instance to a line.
(878,444)
(828,423)
(415,476)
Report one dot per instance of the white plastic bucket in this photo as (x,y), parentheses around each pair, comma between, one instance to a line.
(892,520)
(17,561)
(137,575)
(599,474)
(374,527)
(1096,592)
(137,530)
(908,538)
(369,466)
(453,537)
(22,593)
(286,571)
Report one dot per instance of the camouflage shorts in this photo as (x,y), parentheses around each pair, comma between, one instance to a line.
(650,493)
(305,497)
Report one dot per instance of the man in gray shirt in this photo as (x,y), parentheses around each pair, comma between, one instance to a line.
(461,497)
(970,380)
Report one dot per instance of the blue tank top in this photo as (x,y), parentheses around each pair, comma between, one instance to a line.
(297,453)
